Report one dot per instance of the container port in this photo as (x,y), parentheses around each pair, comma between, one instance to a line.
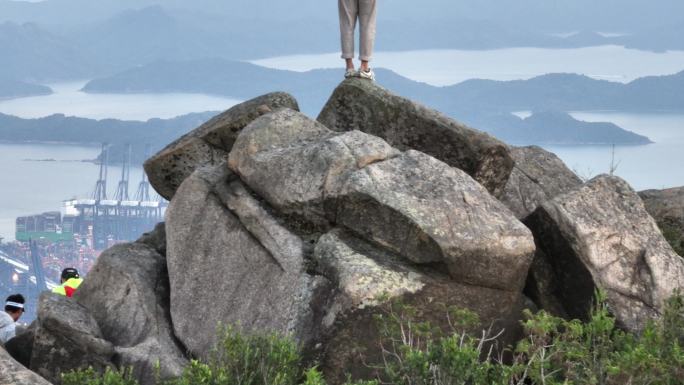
(75,236)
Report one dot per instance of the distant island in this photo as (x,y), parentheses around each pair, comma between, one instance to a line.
(17,89)
(559,92)
(483,104)
(546,127)
(63,129)
(553,127)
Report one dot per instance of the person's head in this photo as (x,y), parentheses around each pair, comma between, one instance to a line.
(69,273)
(14,306)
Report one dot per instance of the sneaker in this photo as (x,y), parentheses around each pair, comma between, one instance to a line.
(370,75)
(351,73)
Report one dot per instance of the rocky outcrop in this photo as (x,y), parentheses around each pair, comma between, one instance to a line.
(600,236)
(246,242)
(360,105)
(537,176)
(67,338)
(13,373)
(209,144)
(409,228)
(667,208)
(231,263)
(409,203)
(278,223)
(127,291)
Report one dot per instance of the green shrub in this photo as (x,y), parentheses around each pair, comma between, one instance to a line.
(91,377)
(248,359)
(415,352)
(674,236)
(557,351)
(554,351)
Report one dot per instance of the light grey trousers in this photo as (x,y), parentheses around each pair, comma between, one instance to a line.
(365,12)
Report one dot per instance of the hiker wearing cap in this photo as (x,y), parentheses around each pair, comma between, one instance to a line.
(70,280)
(14,308)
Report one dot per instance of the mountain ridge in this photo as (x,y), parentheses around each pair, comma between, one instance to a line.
(559,91)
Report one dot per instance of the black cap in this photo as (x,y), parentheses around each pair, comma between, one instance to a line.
(70,272)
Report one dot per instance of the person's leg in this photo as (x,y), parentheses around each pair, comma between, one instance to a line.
(367,21)
(348,13)
(349,63)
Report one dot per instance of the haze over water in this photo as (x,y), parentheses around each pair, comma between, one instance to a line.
(447,67)
(68,99)
(652,166)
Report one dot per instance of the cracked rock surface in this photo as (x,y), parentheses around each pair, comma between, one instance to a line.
(208,144)
(537,176)
(224,272)
(365,106)
(600,236)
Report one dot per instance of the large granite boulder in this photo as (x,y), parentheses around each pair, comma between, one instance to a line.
(419,207)
(127,292)
(365,106)
(231,263)
(599,236)
(67,338)
(538,175)
(410,203)
(667,208)
(13,373)
(370,281)
(295,163)
(209,144)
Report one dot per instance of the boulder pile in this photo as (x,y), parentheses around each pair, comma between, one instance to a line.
(280,223)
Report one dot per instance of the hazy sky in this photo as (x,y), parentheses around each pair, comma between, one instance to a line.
(547,13)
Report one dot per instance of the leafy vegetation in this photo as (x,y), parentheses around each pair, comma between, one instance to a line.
(674,236)
(557,351)
(554,351)
(248,360)
(91,377)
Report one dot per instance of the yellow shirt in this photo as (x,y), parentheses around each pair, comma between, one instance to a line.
(69,287)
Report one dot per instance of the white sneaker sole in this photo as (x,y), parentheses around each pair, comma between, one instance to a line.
(370,75)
